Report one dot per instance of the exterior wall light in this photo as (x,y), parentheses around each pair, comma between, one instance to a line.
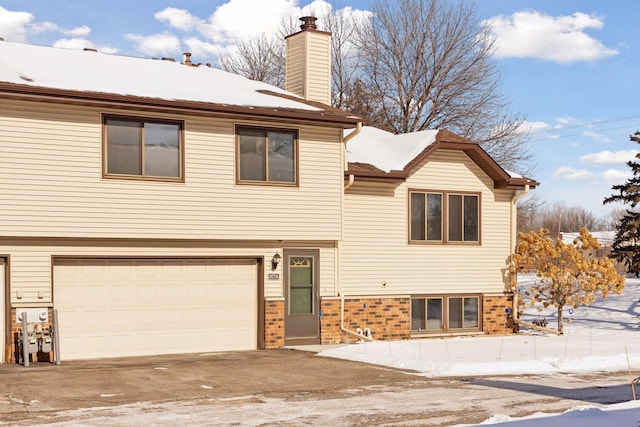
(275,261)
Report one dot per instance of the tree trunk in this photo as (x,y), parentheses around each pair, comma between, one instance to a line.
(560,322)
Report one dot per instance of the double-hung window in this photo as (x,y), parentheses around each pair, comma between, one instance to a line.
(267,156)
(143,148)
(444,217)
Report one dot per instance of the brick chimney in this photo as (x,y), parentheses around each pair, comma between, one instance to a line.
(308,62)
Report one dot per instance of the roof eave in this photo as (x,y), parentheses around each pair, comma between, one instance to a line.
(38,93)
(392,177)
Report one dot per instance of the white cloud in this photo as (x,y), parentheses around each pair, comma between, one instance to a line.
(534,127)
(202,48)
(180,19)
(156,44)
(536,35)
(597,137)
(610,157)
(241,20)
(13,24)
(571,174)
(78,31)
(566,120)
(43,27)
(616,176)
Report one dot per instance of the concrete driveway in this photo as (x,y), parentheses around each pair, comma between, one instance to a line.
(275,387)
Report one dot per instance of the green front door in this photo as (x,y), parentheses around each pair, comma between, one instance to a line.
(301,320)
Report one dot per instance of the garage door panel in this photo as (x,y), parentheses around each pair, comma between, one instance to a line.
(110,308)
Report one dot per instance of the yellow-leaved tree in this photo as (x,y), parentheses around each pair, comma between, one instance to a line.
(568,274)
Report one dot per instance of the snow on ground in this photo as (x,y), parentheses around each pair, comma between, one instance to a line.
(603,337)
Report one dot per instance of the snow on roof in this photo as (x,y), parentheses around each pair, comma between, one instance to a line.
(385,150)
(78,70)
(605,238)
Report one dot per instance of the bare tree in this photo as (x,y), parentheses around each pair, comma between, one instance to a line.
(430,65)
(528,213)
(259,59)
(410,65)
(558,217)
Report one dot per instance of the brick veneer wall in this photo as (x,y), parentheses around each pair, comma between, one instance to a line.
(273,324)
(386,318)
(495,318)
(390,319)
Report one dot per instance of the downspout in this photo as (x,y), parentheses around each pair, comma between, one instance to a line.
(339,263)
(514,230)
(349,183)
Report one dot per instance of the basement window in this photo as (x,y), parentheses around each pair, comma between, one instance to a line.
(450,313)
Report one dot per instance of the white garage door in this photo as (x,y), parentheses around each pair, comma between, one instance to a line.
(111,308)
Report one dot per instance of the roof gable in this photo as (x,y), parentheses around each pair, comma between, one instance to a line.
(399,156)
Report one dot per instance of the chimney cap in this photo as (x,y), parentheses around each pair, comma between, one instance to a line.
(308,23)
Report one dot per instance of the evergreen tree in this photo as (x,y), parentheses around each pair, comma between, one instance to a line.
(626,246)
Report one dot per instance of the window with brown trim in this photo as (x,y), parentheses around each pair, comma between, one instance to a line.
(266,155)
(443,217)
(143,148)
(445,313)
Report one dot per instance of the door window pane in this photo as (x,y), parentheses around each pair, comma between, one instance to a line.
(417,314)
(301,285)
(434,313)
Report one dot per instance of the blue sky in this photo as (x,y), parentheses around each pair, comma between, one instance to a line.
(570,66)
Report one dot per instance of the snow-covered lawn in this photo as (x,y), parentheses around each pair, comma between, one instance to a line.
(603,337)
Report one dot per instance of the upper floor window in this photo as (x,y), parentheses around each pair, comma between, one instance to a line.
(143,148)
(267,155)
(444,217)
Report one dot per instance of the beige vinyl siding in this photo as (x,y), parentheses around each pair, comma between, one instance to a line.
(376,249)
(309,66)
(296,62)
(319,66)
(31,261)
(51,172)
